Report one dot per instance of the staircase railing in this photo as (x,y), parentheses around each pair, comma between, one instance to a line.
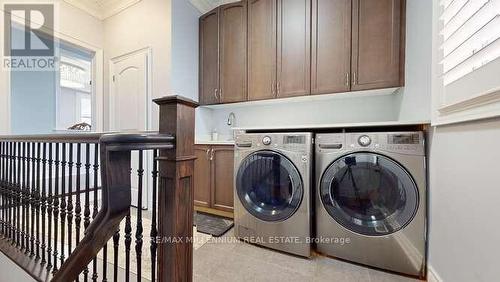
(54,225)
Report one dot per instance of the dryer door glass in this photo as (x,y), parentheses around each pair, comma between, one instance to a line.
(369,194)
(269,186)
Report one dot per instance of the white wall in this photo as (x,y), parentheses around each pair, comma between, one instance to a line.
(415,98)
(412,103)
(145,24)
(184,75)
(464,191)
(71,24)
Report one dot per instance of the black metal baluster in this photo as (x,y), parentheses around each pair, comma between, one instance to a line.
(37,201)
(139,230)
(28,196)
(78,205)
(116,245)
(10,192)
(23,199)
(63,201)
(105,263)
(154,231)
(2,183)
(96,203)
(70,199)
(49,211)
(33,199)
(86,212)
(13,186)
(18,195)
(128,241)
(56,207)
(44,201)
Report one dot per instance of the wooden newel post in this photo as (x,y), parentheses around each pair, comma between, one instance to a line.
(175,191)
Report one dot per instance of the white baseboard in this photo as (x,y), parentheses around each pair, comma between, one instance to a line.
(432,275)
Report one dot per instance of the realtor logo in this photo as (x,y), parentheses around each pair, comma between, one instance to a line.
(29,42)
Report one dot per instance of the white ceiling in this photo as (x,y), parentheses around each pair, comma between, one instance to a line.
(206,5)
(102,9)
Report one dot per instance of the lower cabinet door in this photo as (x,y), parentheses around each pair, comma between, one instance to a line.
(202,176)
(223,173)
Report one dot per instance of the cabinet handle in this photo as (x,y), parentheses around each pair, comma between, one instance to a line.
(354,81)
(215,94)
(208,153)
(273,88)
(212,155)
(278,87)
(347,79)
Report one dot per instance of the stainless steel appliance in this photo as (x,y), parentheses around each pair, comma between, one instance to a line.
(371,199)
(272,190)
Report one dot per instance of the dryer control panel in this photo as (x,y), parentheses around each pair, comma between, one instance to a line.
(395,142)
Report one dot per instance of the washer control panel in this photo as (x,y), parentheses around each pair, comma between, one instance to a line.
(411,143)
(266,140)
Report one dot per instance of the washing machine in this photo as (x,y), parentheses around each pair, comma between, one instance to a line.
(272,199)
(371,199)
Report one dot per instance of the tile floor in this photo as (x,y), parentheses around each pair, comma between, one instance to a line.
(230,260)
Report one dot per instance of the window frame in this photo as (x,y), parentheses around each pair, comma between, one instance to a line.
(479,98)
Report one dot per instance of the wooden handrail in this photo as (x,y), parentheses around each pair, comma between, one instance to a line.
(116,196)
(24,159)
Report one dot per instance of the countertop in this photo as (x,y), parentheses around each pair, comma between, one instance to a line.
(218,142)
(334,125)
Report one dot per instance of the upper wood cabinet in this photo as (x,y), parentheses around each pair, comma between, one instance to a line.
(265,49)
(377,44)
(331,46)
(233,52)
(223,54)
(209,58)
(261,49)
(294,48)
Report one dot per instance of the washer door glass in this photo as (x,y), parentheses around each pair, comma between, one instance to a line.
(369,194)
(269,186)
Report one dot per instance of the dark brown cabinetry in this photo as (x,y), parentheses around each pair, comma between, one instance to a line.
(331,46)
(261,49)
(283,48)
(233,52)
(223,55)
(213,177)
(209,58)
(294,48)
(377,44)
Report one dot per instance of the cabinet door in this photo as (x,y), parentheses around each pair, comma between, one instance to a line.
(223,174)
(377,44)
(202,176)
(233,52)
(261,49)
(294,48)
(209,58)
(331,46)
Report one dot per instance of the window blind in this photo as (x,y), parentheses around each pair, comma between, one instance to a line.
(471,36)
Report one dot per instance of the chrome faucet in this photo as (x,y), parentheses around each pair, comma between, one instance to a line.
(231,119)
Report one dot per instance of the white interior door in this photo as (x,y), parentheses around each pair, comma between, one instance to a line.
(129,108)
